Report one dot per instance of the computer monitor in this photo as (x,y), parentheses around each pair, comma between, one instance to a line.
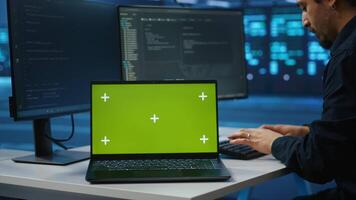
(57,48)
(161,43)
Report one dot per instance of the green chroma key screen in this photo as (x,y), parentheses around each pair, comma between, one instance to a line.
(146,118)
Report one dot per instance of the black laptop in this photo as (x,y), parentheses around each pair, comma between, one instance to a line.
(154,132)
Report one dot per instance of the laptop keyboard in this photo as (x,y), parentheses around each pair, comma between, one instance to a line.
(158,164)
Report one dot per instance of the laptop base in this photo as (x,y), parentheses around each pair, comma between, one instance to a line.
(97,175)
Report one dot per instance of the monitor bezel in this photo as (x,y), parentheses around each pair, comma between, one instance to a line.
(240,11)
(155,155)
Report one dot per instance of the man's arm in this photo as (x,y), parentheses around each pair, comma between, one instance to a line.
(301,156)
(290,130)
(322,155)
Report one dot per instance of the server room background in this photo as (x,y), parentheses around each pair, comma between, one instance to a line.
(285,66)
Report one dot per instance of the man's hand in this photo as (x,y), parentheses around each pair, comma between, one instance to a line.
(260,139)
(288,129)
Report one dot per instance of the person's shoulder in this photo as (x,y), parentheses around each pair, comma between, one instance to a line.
(351,46)
(347,47)
(347,51)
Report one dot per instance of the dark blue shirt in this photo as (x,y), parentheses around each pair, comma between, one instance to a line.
(328,152)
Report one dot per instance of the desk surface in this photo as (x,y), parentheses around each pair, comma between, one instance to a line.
(71,179)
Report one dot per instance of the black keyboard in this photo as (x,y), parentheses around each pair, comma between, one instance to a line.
(158,164)
(238,151)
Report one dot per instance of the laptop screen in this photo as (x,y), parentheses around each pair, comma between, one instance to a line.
(154,118)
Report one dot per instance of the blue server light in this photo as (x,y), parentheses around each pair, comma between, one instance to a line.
(262,71)
(4,38)
(273,68)
(4,52)
(311,68)
(255,25)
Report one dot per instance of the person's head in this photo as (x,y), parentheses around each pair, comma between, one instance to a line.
(326,18)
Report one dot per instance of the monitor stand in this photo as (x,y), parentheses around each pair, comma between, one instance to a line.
(43,148)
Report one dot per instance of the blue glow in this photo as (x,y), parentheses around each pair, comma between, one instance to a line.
(2,56)
(252,56)
(4,38)
(300,72)
(316,52)
(312,56)
(286,24)
(273,68)
(262,71)
(247,46)
(276,56)
(291,62)
(5,81)
(278,47)
(322,57)
(253,62)
(255,25)
(311,34)
(248,56)
(283,56)
(312,68)
(297,53)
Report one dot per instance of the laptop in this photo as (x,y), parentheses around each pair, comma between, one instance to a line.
(154,131)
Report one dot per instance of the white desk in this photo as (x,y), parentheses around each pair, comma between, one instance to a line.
(31,181)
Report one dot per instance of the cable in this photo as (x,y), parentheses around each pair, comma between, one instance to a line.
(70,136)
(59,141)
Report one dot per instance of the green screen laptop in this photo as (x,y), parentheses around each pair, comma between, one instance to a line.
(154,131)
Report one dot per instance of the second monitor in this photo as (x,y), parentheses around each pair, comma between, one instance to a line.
(184,44)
